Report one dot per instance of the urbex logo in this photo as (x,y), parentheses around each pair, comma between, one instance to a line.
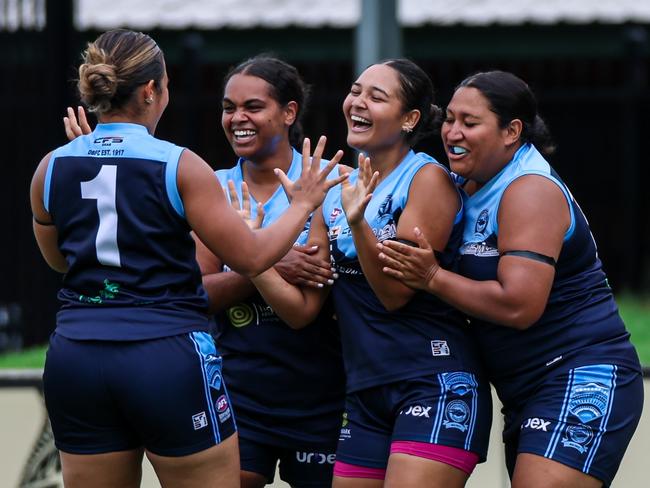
(315,457)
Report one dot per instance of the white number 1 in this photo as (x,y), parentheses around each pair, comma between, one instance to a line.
(102,188)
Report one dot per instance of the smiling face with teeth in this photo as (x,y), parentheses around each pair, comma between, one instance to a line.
(255,124)
(374,111)
(476,146)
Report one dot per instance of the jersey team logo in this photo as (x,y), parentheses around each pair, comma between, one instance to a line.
(334,215)
(108,141)
(482,222)
(386,207)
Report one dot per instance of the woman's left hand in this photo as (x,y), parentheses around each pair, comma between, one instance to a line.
(414,266)
(355,198)
(244,209)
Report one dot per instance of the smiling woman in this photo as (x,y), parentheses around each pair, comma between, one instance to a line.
(408,360)
(285,377)
(529,277)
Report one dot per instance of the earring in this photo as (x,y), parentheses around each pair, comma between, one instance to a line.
(407,129)
(148,100)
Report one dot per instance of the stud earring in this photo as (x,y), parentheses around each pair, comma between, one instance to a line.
(407,129)
(148,100)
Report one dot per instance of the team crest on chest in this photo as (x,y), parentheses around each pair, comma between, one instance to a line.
(482,222)
(386,207)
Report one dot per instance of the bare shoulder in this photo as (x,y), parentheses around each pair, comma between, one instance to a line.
(432,180)
(534,193)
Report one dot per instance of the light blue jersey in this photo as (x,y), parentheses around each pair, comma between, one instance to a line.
(423,337)
(287,385)
(580,324)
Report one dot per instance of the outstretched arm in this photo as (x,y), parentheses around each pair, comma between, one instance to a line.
(223,231)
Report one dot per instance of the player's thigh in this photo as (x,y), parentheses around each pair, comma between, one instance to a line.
(533,471)
(406,471)
(258,462)
(217,466)
(107,470)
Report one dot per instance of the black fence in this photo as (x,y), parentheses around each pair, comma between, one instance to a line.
(596,108)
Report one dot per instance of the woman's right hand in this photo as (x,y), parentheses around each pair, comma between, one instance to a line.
(355,198)
(76,126)
(301,266)
(312,186)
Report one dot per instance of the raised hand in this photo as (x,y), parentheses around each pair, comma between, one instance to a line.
(414,266)
(244,209)
(75,127)
(355,198)
(312,186)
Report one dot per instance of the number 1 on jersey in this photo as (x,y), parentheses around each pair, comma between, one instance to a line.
(103,189)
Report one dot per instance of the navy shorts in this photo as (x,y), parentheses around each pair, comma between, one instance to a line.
(165,394)
(309,468)
(583,418)
(449,409)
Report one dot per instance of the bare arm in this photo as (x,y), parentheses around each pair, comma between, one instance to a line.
(223,231)
(304,266)
(434,216)
(224,289)
(44,229)
(533,216)
(297,306)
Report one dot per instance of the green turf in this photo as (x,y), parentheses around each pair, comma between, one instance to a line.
(636,314)
(635,310)
(29,358)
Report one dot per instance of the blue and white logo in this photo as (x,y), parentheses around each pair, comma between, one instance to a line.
(459,383)
(578,437)
(456,415)
(482,222)
(588,401)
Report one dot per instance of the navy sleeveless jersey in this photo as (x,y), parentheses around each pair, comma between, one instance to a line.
(580,324)
(132,274)
(287,385)
(425,336)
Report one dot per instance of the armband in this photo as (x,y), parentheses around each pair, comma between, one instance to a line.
(42,223)
(542,258)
